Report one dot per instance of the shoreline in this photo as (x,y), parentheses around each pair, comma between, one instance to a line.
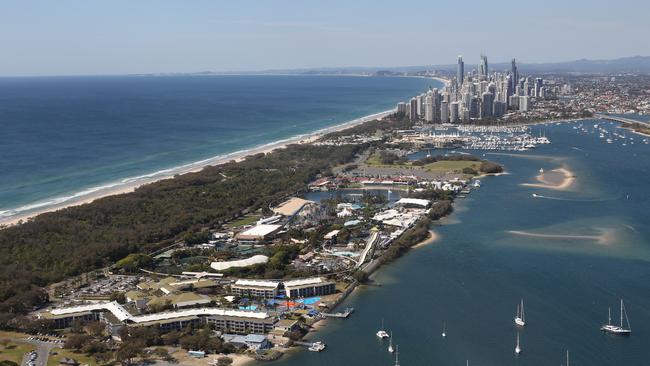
(129,184)
(17,215)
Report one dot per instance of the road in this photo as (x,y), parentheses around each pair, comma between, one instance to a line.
(43,351)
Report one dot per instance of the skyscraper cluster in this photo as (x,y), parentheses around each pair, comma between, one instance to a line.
(475,95)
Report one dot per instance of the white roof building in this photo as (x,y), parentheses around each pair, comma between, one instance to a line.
(259,232)
(413,202)
(256,259)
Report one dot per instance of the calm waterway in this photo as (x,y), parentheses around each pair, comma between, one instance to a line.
(475,275)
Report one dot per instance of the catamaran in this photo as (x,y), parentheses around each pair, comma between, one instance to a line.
(520,318)
(617,329)
(517,347)
(381,333)
(390,343)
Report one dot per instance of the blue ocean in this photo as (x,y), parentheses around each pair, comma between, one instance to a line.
(64,137)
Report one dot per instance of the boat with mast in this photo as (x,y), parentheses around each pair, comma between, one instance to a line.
(517,347)
(381,333)
(567,358)
(520,318)
(617,329)
(396,355)
(444,329)
(390,343)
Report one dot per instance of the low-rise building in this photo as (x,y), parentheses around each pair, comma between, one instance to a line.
(307,287)
(255,288)
(253,342)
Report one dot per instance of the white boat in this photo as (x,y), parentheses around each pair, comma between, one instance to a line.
(317,347)
(617,329)
(444,330)
(520,318)
(390,343)
(541,170)
(381,333)
(517,347)
(396,356)
(567,358)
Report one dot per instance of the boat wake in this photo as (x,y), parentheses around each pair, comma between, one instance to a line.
(535,195)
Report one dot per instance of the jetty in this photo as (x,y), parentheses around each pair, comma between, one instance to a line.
(343,314)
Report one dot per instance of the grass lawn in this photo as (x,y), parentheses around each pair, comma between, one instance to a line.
(53,360)
(14,351)
(246,220)
(448,166)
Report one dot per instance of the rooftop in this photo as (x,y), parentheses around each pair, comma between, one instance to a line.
(291,206)
(256,259)
(257,283)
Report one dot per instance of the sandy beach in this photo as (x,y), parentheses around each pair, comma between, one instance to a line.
(558,179)
(130,184)
(433,237)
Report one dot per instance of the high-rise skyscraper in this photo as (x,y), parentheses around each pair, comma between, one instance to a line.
(460,71)
(413,110)
(514,75)
(483,68)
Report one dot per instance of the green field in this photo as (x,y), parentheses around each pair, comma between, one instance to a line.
(438,167)
(13,351)
(448,166)
(246,220)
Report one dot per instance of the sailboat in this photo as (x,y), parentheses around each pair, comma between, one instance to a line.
(444,330)
(520,318)
(381,333)
(396,356)
(390,343)
(517,347)
(617,329)
(567,358)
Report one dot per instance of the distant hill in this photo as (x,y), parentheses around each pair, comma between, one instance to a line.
(635,64)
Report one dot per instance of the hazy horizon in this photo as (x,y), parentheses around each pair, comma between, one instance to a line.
(72,37)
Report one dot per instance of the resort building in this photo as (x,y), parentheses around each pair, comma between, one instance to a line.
(228,320)
(309,287)
(255,288)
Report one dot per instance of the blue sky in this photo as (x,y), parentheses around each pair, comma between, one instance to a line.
(66,37)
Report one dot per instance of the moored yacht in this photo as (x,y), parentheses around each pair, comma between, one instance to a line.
(517,347)
(381,333)
(520,318)
(617,329)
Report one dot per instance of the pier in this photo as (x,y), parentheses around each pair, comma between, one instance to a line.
(343,314)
